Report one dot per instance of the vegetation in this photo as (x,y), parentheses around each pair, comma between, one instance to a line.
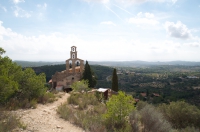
(153,121)
(19,88)
(181,114)
(118,108)
(88,74)
(169,81)
(80,86)
(88,113)
(9,121)
(114,81)
(119,114)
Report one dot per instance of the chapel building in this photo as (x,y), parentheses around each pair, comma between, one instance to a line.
(73,72)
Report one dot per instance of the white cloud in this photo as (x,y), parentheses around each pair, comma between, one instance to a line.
(44,6)
(108,23)
(194,44)
(56,47)
(19,12)
(144,19)
(18,1)
(177,30)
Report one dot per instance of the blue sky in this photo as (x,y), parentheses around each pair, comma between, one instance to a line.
(102,30)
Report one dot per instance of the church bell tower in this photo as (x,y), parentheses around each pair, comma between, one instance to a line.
(73,52)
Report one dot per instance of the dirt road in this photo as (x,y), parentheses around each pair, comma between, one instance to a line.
(45,118)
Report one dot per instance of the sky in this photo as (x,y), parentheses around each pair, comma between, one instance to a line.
(102,30)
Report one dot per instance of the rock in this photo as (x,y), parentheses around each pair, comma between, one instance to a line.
(59,127)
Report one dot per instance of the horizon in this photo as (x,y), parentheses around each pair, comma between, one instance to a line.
(102,30)
(110,61)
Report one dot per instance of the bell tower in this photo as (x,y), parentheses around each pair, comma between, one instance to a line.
(73,53)
(74,64)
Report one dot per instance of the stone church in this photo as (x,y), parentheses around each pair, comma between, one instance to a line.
(73,72)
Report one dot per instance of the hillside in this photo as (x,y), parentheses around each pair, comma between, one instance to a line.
(169,81)
(101,72)
(112,63)
(45,118)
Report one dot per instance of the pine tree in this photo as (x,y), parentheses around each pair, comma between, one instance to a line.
(88,74)
(114,81)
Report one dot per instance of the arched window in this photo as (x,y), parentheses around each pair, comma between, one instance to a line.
(70,63)
(77,63)
(73,56)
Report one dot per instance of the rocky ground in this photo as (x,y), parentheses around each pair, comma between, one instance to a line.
(45,118)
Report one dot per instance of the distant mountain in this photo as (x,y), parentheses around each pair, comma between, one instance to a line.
(36,63)
(143,63)
(112,63)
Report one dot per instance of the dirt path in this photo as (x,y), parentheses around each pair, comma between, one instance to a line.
(45,118)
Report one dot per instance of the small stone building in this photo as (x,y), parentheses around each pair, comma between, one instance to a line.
(73,72)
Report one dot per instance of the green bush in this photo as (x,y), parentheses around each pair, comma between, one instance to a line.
(64,111)
(48,97)
(33,103)
(87,120)
(118,108)
(141,105)
(181,114)
(73,99)
(83,100)
(100,109)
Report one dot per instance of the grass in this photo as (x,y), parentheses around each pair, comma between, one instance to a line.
(15,103)
(87,115)
(85,111)
(82,100)
(48,97)
(9,122)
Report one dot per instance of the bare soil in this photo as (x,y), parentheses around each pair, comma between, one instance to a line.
(45,118)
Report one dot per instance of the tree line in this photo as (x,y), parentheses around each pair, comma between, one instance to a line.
(18,85)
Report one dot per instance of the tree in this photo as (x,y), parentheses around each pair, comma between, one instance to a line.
(118,108)
(88,74)
(31,85)
(2,51)
(8,78)
(80,86)
(17,83)
(114,81)
(181,114)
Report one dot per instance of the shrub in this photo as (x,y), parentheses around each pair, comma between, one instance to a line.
(73,99)
(33,103)
(100,109)
(48,97)
(153,121)
(8,122)
(141,105)
(134,121)
(118,107)
(189,129)
(181,114)
(64,111)
(87,120)
(80,86)
(83,100)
